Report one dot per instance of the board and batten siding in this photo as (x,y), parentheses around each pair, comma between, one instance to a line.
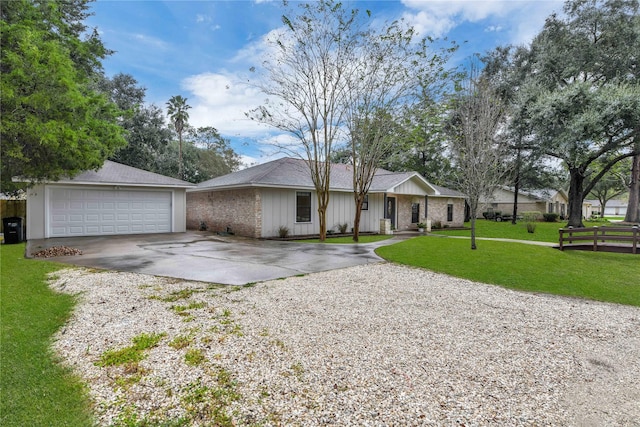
(409,188)
(279,210)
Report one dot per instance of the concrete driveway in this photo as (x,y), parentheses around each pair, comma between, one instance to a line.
(201,256)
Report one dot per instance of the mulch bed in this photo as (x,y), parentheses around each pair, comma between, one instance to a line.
(56,251)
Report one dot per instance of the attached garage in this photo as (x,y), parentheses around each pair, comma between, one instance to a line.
(114,200)
(95,212)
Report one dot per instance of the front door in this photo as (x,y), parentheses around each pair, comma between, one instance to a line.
(391,211)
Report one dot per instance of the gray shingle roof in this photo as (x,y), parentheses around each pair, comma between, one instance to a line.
(444,191)
(112,173)
(290,172)
(543,194)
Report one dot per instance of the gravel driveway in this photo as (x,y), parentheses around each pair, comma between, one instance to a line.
(373,345)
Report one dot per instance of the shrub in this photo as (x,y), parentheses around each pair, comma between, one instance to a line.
(283,231)
(342,228)
(550,217)
(436,225)
(531,216)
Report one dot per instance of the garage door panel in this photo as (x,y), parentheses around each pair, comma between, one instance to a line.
(87,212)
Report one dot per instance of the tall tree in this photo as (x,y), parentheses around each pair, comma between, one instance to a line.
(580,95)
(420,143)
(205,155)
(419,138)
(477,149)
(177,110)
(306,77)
(146,132)
(633,208)
(216,157)
(382,81)
(528,166)
(54,123)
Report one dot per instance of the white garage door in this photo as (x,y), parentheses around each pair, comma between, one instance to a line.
(95,212)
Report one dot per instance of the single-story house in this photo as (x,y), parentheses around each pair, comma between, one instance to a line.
(258,201)
(543,201)
(614,207)
(116,199)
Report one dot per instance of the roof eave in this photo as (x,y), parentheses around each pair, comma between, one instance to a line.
(119,184)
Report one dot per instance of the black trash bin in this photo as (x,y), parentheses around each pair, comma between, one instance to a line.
(12,229)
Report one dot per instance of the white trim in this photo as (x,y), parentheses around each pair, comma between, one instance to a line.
(118,184)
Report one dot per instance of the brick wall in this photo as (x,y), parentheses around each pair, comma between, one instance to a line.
(237,210)
(404,211)
(437,211)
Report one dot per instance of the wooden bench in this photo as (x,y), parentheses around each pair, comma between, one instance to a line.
(616,239)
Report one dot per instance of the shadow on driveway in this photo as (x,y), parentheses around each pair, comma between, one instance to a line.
(205,257)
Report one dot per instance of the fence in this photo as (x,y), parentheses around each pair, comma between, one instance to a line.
(9,208)
(606,238)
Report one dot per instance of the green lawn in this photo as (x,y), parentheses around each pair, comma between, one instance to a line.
(544,232)
(34,389)
(599,276)
(348,239)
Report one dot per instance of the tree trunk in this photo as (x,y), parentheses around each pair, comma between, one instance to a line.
(575,197)
(473,210)
(473,230)
(322,218)
(356,219)
(517,189)
(180,156)
(515,201)
(633,208)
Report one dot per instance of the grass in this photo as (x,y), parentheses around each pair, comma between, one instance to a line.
(544,231)
(598,276)
(35,390)
(130,354)
(368,238)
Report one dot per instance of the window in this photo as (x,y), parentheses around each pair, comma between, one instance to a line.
(415,212)
(365,203)
(450,212)
(303,206)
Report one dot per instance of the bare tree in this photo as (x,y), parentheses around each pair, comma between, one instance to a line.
(380,80)
(307,76)
(477,148)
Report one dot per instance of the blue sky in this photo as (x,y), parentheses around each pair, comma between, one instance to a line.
(202,49)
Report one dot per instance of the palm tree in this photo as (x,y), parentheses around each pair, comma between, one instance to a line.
(177,110)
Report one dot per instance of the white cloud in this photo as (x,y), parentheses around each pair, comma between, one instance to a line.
(202,18)
(153,42)
(523,17)
(221,100)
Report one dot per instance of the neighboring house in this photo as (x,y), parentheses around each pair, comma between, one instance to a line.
(116,199)
(614,207)
(257,201)
(543,201)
